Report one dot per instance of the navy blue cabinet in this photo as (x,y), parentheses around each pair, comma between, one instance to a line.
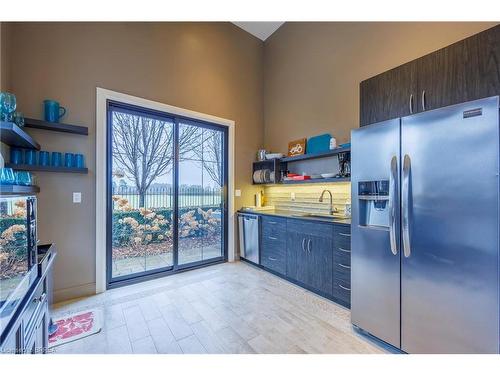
(342,264)
(309,254)
(314,254)
(273,244)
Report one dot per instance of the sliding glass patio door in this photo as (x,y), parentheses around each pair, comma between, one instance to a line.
(167,195)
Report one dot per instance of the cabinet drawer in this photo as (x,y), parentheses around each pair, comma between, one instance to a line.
(272,246)
(342,234)
(32,309)
(341,273)
(306,227)
(274,261)
(274,233)
(273,222)
(340,255)
(342,291)
(342,242)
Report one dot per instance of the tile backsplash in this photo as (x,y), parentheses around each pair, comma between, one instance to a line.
(307,197)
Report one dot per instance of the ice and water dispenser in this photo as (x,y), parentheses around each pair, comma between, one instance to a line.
(374,210)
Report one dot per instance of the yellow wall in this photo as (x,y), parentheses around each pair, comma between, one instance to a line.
(307,195)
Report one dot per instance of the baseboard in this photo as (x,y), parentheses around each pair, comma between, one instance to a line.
(74,292)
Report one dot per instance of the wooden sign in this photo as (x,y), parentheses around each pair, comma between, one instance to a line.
(297,147)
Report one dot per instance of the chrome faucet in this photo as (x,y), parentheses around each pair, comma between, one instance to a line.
(332,210)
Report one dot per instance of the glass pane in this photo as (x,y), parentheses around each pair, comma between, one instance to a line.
(142,187)
(13,246)
(200,193)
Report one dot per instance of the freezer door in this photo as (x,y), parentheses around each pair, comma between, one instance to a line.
(375,255)
(449,283)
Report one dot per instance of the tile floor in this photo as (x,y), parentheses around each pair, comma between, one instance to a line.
(226,308)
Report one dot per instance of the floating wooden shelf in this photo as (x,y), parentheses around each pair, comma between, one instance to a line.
(312,181)
(45,168)
(13,135)
(18,189)
(326,154)
(55,126)
(317,181)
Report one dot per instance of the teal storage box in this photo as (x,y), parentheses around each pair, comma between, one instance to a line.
(318,144)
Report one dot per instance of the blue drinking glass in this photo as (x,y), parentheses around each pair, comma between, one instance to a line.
(56,159)
(43,158)
(19,119)
(68,160)
(23,178)
(7,176)
(16,156)
(79,161)
(30,157)
(8,104)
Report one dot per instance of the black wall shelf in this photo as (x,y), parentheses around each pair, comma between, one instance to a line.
(13,135)
(311,181)
(326,154)
(18,189)
(56,127)
(317,181)
(45,168)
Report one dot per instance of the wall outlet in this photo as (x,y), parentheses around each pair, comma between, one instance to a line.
(77,197)
(237,193)
(292,196)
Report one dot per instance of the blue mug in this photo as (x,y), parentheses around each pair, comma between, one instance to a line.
(30,157)
(68,160)
(43,158)
(56,159)
(16,156)
(53,111)
(79,161)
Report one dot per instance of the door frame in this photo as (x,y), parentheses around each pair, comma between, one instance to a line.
(102,98)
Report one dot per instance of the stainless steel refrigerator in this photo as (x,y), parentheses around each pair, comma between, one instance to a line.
(425,230)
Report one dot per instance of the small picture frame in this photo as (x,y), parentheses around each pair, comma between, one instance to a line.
(297,147)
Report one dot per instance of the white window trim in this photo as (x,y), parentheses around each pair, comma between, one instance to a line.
(102,96)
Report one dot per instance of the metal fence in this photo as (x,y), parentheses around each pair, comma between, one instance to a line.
(163,197)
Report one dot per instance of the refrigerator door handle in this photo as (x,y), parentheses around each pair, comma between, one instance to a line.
(393,178)
(405,205)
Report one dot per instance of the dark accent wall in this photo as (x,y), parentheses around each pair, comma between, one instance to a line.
(313,70)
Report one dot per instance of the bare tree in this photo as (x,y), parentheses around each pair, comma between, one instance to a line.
(210,154)
(143,148)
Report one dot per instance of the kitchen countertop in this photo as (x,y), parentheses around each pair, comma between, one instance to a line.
(296,215)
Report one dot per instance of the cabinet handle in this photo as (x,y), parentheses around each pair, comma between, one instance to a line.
(423,100)
(309,246)
(411,103)
(272,238)
(303,244)
(271,222)
(344,287)
(271,258)
(345,234)
(39,299)
(344,266)
(344,250)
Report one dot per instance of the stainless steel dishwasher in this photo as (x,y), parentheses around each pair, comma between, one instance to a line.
(249,237)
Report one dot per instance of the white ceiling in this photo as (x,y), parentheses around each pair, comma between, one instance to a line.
(261,30)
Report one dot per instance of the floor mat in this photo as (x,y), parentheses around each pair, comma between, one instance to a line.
(76,326)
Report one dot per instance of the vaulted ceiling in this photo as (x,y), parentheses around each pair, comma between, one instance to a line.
(261,30)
